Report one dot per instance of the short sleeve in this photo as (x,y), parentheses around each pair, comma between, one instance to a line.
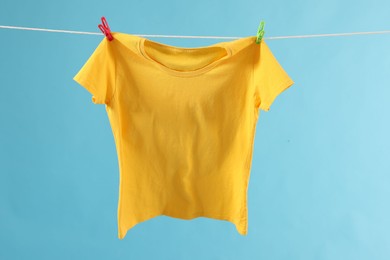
(97,75)
(270,79)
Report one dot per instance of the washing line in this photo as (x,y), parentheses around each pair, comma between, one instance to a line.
(200,37)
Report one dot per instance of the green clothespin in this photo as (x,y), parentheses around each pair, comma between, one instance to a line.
(260,32)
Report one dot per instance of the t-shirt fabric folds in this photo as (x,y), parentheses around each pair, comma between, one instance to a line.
(184,122)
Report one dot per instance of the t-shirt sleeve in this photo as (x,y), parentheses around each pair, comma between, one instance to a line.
(97,75)
(270,79)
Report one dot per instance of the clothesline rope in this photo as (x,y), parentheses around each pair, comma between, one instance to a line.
(199,37)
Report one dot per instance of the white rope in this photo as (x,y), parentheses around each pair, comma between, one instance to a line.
(200,37)
(46,30)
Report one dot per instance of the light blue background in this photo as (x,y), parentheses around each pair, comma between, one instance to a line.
(320,179)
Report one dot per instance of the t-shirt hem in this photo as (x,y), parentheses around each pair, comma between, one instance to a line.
(240,225)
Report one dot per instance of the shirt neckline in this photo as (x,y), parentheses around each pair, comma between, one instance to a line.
(208,67)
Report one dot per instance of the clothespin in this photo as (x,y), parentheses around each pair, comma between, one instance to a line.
(260,32)
(106,29)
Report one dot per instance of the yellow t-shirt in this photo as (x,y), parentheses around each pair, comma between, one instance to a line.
(184,122)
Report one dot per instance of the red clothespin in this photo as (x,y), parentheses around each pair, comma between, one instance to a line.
(106,29)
